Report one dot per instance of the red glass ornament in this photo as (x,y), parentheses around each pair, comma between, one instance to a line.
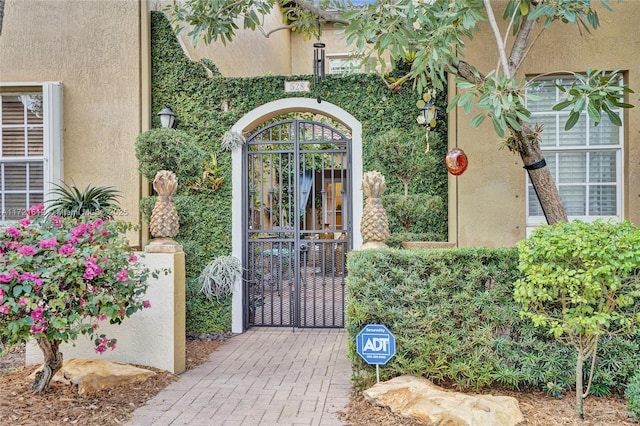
(456,161)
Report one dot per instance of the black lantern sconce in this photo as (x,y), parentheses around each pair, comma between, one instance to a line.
(428,112)
(318,62)
(168,118)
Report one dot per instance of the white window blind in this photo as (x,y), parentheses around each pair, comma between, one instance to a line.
(30,145)
(586,161)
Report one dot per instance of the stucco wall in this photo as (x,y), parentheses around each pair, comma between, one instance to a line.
(250,53)
(487,203)
(94,49)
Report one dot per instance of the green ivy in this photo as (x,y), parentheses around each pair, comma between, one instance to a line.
(209,104)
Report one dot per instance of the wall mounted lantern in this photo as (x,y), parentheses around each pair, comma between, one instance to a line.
(168,118)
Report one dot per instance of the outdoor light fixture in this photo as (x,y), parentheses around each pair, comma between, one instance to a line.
(428,112)
(318,62)
(168,118)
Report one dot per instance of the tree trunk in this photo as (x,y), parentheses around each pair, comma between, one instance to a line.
(52,363)
(579,384)
(543,183)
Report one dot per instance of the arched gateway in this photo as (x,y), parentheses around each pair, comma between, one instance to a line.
(297,206)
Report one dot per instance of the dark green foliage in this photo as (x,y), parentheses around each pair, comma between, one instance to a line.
(209,105)
(455,320)
(632,394)
(73,202)
(169,149)
(414,210)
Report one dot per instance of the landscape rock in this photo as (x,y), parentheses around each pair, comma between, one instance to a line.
(95,374)
(418,398)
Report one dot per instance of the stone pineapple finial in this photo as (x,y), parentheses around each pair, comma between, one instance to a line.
(375,225)
(164,217)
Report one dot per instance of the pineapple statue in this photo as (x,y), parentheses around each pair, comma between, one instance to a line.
(375,225)
(164,217)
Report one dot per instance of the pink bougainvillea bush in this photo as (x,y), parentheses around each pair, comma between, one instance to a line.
(62,277)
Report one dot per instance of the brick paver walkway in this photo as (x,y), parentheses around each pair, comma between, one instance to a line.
(266,376)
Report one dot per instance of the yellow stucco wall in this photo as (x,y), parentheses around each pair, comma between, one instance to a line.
(487,203)
(99,51)
(249,54)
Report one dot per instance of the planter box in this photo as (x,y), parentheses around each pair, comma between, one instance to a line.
(412,245)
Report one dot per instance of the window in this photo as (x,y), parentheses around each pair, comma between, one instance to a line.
(586,161)
(344,64)
(30,145)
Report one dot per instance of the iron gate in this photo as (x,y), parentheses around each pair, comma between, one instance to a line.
(297,224)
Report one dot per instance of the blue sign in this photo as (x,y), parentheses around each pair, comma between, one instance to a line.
(375,344)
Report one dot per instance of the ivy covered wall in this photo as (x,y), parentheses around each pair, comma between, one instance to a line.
(208,104)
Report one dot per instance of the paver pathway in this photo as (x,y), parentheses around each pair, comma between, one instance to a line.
(266,376)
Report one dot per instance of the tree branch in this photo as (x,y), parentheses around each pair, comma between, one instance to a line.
(498,37)
(522,44)
(268,33)
(324,15)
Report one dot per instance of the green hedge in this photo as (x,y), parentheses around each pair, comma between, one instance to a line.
(455,321)
(208,106)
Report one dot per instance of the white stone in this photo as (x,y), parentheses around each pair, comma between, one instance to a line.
(419,398)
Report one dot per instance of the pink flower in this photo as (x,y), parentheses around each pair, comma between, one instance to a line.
(38,328)
(25,221)
(104,232)
(5,278)
(91,270)
(23,301)
(48,243)
(27,250)
(122,275)
(2,292)
(13,232)
(79,231)
(4,309)
(66,250)
(146,304)
(35,210)
(133,258)
(101,349)
(57,222)
(101,317)
(36,314)
(29,276)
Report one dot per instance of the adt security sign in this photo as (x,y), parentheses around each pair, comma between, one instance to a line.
(375,344)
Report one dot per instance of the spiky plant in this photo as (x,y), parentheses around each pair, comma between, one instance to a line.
(219,276)
(70,201)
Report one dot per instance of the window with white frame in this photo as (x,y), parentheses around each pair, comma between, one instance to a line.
(344,64)
(30,145)
(586,161)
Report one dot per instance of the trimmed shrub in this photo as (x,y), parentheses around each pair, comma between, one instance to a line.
(632,394)
(455,321)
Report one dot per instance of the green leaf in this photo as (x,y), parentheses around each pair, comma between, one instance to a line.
(562,105)
(478,119)
(572,120)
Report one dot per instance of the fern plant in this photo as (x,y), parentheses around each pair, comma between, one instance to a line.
(73,202)
(218,277)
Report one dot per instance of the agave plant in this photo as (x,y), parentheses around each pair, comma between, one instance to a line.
(71,201)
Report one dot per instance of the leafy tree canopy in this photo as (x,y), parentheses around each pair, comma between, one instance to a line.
(433,35)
